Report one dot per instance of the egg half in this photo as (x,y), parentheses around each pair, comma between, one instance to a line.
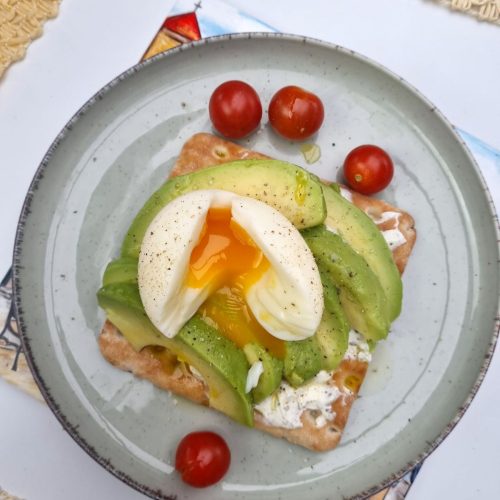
(235,260)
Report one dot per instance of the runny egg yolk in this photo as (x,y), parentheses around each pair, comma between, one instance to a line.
(227,261)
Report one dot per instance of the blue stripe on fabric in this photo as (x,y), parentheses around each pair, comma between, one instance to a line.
(478,146)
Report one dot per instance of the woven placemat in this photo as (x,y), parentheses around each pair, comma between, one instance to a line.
(484,10)
(7,496)
(20,22)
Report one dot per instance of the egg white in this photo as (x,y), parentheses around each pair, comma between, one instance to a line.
(288,298)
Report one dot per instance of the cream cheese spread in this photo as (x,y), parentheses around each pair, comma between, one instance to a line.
(394,237)
(385,216)
(253,376)
(285,406)
(346,194)
(358,348)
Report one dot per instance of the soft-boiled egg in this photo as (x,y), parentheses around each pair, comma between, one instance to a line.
(235,260)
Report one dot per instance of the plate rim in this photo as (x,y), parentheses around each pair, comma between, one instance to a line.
(39,173)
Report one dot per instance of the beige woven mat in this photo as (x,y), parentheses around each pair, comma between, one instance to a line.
(7,496)
(484,10)
(20,22)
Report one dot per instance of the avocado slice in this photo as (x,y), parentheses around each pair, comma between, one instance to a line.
(122,270)
(361,233)
(271,377)
(332,334)
(302,360)
(223,366)
(361,294)
(323,351)
(296,193)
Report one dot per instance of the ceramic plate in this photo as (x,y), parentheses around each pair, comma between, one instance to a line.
(118,149)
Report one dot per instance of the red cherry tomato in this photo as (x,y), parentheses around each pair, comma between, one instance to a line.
(235,109)
(296,113)
(202,458)
(368,169)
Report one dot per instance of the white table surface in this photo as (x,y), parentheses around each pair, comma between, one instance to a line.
(451,58)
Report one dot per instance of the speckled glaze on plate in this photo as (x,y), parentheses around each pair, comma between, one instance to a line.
(117,150)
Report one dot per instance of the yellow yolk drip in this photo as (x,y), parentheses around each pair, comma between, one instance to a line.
(227,260)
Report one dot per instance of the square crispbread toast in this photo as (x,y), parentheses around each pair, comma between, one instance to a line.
(203,150)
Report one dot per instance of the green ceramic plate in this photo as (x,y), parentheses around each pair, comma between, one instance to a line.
(119,148)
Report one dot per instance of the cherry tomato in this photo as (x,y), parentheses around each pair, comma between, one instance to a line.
(235,109)
(202,458)
(368,169)
(296,113)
